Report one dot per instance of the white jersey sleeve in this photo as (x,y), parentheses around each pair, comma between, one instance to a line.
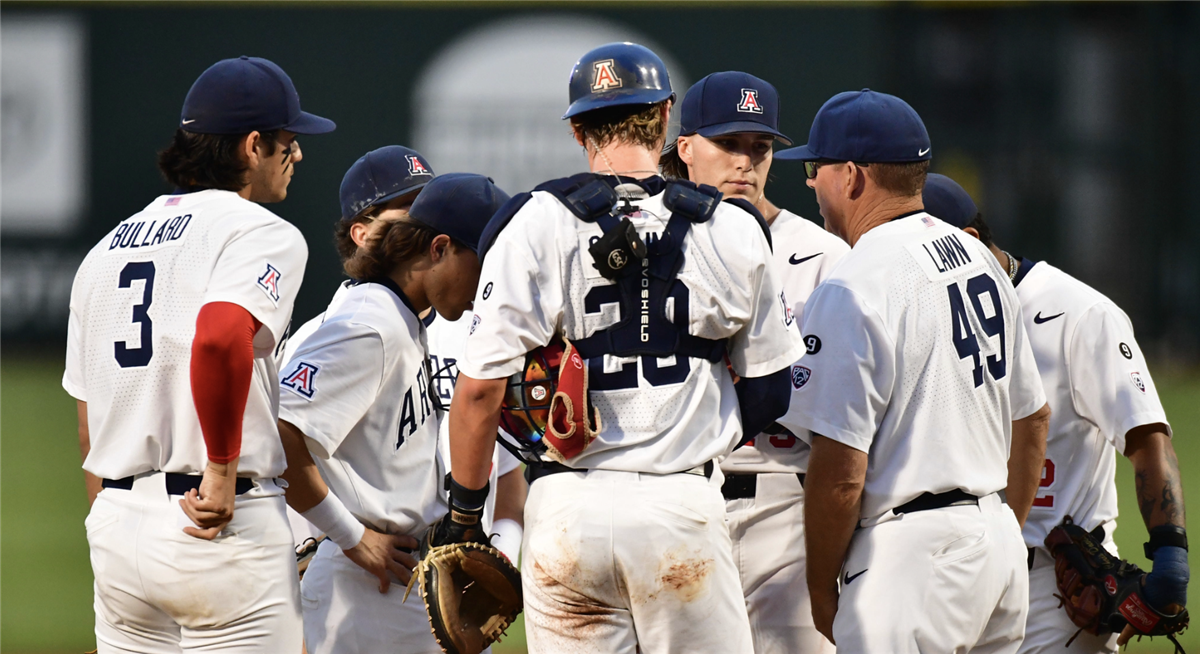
(761,348)
(525,278)
(343,363)
(260,269)
(845,402)
(1110,381)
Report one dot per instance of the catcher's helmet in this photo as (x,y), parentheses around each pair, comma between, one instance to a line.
(617,74)
(381,175)
(525,412)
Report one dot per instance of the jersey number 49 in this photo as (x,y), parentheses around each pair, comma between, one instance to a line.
(964,337)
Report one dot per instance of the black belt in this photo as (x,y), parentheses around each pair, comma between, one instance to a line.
(535,471)
(743,486)
(177,484)
(929,501)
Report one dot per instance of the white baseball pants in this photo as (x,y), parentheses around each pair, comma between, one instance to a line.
(768,549)
(159,590)
(623,562)
(953,579)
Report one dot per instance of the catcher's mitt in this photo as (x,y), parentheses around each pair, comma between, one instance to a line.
(472,594)
(1102,593)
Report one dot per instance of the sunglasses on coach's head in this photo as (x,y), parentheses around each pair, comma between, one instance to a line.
(810,167)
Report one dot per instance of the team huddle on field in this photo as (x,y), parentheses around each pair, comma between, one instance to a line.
(695,421)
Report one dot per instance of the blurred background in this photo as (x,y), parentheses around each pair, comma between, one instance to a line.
(1075,127)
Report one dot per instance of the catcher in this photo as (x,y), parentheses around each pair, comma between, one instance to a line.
(356,395)
(1103,401)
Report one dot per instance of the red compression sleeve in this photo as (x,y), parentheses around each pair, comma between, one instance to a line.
(222,365)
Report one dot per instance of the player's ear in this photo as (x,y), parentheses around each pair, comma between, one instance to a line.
(972,231)
(249,148)
(683,145)
(577,132)
(856,180)
(440,248)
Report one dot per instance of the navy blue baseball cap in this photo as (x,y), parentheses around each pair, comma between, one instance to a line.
(382,175)
(247,94)
(617,74)
(864,126)
(730,103)
(458,205)
(945,199)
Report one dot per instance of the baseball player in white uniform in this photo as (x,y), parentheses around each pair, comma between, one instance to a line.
(1104,401)
(175,317)
(384,179)
(357,394)
(728,123)
(503,514)
(917,378)
(626,547)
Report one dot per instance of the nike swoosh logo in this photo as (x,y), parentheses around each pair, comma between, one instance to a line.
(793,260)
(922,153)
(186,122)
(1039,319)
(847,577)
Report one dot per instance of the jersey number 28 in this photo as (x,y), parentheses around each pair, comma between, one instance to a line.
(136,357)
(964,337)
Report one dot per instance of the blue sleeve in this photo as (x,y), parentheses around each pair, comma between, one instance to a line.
(762,400)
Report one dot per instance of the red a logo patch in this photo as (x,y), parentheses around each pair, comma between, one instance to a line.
(749,103)
(415,167)
(605,78)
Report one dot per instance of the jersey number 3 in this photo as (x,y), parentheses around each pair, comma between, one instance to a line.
(136,357)
(965,341)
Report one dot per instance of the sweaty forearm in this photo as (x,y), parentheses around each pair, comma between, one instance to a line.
(832,505)
(1156,473)
(1026,458)
(474,419)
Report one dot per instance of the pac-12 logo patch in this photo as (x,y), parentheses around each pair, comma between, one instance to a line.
(415,167)
(1136,378)
(749,103)
(302,379)
(604,77)
(800,376)
(269,283)
(475,320)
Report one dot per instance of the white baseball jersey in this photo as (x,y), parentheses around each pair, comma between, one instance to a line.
(133,318)
(446,340)
(298,336)
(358,388)
(1099,388)
(657,415)
(803,256)
(917,355)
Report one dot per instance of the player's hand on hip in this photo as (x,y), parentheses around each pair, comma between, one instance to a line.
(386,556)
(824,610)
(211,508)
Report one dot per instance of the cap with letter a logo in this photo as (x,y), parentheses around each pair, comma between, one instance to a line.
(730,103)
(617,74)
(382,175)
(247,94)
(866,127)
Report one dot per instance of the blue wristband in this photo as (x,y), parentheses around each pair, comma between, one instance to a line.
(1167,582)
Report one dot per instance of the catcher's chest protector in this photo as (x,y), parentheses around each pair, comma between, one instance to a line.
(645,273)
